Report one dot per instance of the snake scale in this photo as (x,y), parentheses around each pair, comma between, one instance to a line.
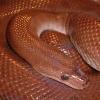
(20,78)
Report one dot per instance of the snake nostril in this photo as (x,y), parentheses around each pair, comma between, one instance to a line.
(65,77)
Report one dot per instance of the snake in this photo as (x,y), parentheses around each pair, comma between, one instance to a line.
(26,56)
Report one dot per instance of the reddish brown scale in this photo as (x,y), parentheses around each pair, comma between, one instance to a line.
(86,38)
(15,73)
(23,37)
(63,43)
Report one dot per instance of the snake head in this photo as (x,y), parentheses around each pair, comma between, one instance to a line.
(74,78)
(68,74)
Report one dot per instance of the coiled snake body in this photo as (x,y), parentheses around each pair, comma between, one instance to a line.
(28,34)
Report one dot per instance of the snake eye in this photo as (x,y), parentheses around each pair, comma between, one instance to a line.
(65,77)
